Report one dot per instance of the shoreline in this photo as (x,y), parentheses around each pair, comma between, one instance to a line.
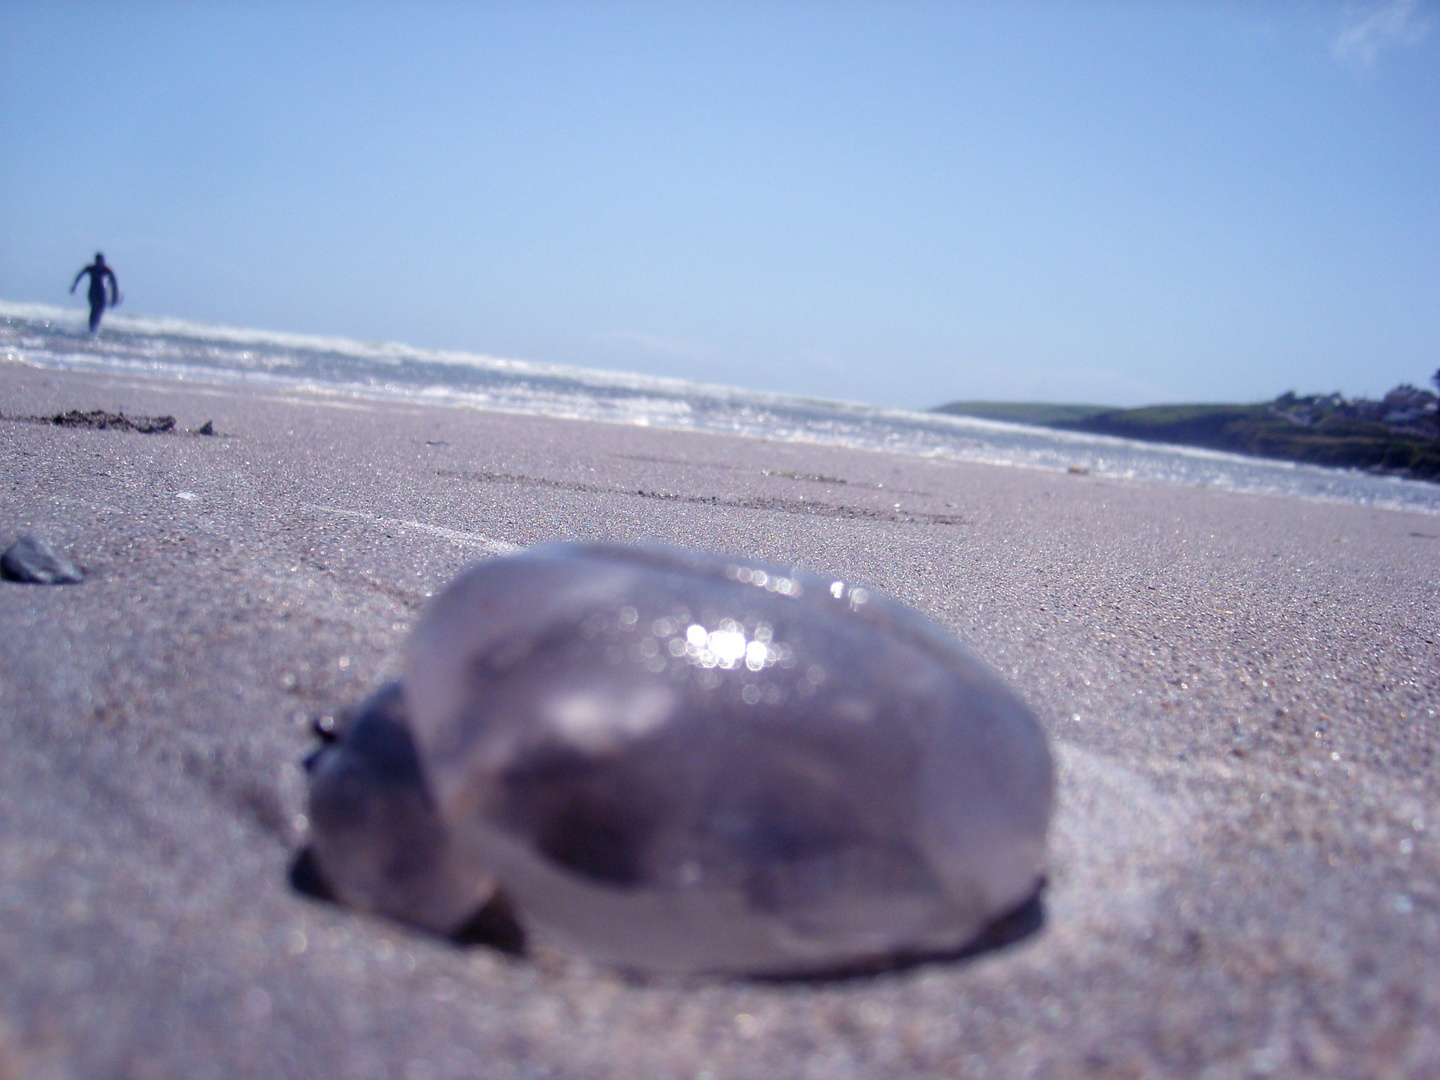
(1227,889)
(243,360)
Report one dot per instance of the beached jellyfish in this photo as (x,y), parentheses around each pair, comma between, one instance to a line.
(673,761)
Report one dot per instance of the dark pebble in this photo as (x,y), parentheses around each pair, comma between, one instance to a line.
(33,560)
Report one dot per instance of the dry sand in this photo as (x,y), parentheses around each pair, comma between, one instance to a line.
(1241,692)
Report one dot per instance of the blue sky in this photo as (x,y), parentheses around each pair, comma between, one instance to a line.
(897,203)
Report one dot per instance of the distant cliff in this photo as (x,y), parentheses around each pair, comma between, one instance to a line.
(1399,434)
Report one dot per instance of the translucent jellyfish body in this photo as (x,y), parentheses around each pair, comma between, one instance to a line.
(673,761)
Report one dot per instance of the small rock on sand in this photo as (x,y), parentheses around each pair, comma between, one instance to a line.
(33,560)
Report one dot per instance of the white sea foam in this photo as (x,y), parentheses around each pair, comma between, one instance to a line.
(193,352)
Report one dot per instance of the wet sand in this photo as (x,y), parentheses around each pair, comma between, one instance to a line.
(1241,692)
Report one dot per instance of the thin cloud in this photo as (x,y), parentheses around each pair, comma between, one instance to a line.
(1371,29)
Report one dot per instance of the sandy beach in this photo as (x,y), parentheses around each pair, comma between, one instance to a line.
(1240,690)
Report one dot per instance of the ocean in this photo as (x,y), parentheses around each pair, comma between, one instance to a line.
(54,337)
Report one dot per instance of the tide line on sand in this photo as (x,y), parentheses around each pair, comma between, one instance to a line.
(480,540)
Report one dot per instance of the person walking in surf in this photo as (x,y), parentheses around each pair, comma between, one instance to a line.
(98,272)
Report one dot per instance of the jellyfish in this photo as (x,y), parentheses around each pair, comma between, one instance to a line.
(673,761)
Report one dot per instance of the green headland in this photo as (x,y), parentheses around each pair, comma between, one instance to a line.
(1400,434)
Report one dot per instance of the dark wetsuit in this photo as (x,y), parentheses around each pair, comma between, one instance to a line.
(98,272)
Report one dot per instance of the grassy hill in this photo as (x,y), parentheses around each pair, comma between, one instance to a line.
(1324,437)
